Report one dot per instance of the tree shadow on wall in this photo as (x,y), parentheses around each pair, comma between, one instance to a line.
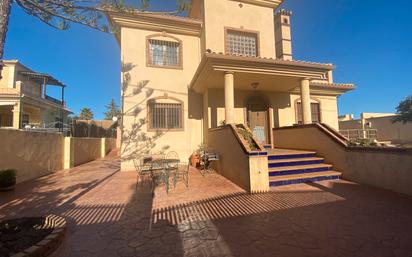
(135,141)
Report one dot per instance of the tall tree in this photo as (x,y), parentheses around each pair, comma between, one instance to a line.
(113,110)
(60,13)
(86,114)
(404,111)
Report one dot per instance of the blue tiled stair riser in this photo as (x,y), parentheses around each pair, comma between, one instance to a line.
(302,180)
(294,163)
(290,156)
(300,171)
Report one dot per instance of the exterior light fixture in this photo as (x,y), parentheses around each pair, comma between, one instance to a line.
(254,85)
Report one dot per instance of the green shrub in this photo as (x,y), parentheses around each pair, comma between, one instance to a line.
(249,138)
(7,178)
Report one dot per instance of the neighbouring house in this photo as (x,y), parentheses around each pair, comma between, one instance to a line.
(228,62)
(24,102)
(379,126)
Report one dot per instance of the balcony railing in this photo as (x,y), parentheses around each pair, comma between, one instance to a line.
(54,100)
(356,134)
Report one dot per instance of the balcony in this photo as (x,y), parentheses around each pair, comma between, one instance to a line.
(54,100)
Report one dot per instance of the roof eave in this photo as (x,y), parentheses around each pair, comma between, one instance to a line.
(156,22)
(265,3)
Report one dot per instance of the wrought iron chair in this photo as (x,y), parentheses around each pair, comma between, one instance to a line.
(181,172)
(172,155)
(207,157)
(161,177)
(143,167)
(159,173)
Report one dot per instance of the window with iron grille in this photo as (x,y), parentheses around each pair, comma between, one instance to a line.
(164,53)
(241,43)
(315,112)
(166,116)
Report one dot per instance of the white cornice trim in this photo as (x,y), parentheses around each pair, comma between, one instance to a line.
(158,23)
(266,3)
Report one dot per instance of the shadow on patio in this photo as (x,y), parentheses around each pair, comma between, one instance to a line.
(108,215)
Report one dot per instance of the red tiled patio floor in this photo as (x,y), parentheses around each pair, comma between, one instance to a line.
(109,215)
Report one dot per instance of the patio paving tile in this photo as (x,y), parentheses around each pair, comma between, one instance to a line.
(109,215)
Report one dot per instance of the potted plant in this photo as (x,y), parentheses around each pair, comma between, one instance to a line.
(7,179)
(195,157)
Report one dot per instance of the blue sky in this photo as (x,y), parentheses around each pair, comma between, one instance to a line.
(369,41)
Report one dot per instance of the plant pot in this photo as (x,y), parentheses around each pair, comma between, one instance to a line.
(195,160)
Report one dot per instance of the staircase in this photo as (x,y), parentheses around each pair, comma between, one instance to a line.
(288,167)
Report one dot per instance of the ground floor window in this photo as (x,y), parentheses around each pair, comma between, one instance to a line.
(315,111)
(25,119)
(165,115)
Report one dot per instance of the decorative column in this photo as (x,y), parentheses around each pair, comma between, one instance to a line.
(305,100)
(229,98)
(18,106)
(16,115)
(205,115)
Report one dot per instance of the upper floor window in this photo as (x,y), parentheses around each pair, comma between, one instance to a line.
(241,43)
(164,53)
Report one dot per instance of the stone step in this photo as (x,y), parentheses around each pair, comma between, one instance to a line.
(303,178)
(299,169)
(294,162)
(279,154)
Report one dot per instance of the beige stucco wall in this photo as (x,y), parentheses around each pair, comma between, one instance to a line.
(328,109)
(234,162)
(109,145)
(350,124)
(86,149)
(397,133)
(35,154)
(5,74)
(250,173)
(226,13)
(161,82)
(6,113)
(32,154)
(385,168)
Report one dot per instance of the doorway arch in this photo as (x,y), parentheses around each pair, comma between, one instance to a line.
(257,117)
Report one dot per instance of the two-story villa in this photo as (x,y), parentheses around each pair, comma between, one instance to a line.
(24,100)
(229,61)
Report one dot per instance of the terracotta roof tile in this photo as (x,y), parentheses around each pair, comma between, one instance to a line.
(333,85)
(272,59)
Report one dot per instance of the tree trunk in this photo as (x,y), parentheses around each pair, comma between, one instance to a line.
(5,7)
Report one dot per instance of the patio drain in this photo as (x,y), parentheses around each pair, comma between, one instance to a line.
(31,236)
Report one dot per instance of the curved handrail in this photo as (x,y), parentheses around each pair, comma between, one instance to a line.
(343,141)
(238,137)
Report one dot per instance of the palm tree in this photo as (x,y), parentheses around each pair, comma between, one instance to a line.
(60,13)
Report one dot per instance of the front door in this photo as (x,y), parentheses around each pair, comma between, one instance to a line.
(257,118)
